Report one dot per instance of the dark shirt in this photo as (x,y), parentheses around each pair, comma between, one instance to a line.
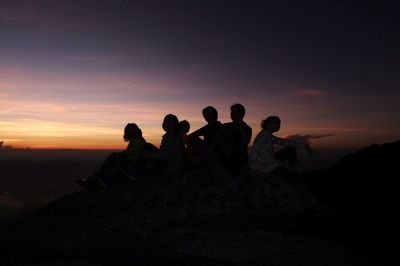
(209,132)
(244,129)
(171,150)
(231,144)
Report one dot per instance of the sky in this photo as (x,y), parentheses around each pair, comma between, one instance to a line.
(74,73)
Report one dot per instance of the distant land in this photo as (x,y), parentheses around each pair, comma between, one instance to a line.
(54,155)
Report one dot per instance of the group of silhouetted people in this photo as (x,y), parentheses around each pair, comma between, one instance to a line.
(225,144)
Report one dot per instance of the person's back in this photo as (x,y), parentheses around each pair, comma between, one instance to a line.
(135,149)
(232,140)
(244,129)
(237,115)
(172,151)
(170,155)
(261,155)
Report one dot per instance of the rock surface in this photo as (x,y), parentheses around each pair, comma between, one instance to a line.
(363,189)
(201,217)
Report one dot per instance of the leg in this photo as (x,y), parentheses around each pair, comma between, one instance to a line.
(110,164)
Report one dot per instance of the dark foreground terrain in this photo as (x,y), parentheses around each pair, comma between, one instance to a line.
(207,217)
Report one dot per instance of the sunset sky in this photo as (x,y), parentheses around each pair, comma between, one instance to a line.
(73,73)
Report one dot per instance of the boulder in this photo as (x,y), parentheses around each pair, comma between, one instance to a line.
(363,189)
(204,212)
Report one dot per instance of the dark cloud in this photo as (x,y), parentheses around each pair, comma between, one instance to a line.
(351,45)
(248,48)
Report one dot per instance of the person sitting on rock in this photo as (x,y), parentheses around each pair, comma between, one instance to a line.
(262,156)
(237,115)
(183,130)
(169,158)
(209,131)
(200,149)
(232,140)
(119,167)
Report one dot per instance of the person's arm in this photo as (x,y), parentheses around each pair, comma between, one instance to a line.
(249,133)
(287,142)
(199,132)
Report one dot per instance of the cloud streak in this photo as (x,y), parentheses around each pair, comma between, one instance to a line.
(313,92)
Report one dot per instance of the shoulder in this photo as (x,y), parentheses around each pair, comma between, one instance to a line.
(247,127)
(260,135)
(265,134)
(141,140)
(177,137)
(214,126)
(227,126)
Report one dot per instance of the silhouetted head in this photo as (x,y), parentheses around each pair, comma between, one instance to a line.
(131,132)
(237,112)
(210,114)
(272,124)
(184,126)
(170,123)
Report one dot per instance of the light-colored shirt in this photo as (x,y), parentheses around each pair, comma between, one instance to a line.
(261,157)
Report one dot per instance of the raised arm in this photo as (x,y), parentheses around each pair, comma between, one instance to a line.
(287,142)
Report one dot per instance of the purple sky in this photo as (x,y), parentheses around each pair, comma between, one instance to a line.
(73,73)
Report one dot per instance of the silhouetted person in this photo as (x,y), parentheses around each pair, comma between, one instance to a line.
(183,130)
(232,140)
(120,167)
(200,150)
(262,156)
(209,131)
(237,115)
(169,157)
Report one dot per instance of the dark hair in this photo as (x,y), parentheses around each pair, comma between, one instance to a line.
(173,119)
(182,124)
(211,110)
(132,131)
(240,108)
(270,120)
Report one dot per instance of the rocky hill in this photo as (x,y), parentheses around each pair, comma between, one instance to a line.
(160,216)
(363,188)
(209,217)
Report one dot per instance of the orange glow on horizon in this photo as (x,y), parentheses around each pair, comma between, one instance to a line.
(43,110)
